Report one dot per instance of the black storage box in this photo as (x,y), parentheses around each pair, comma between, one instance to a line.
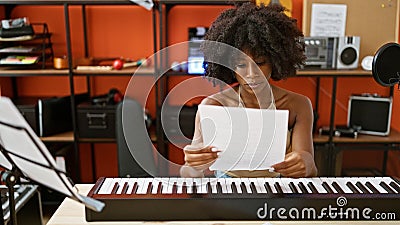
(96,121)
(371,114)
(48,115)
(28,106)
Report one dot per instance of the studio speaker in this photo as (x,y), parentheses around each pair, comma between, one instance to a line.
(348,52)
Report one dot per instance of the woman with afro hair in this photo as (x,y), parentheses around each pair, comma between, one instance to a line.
(273,48)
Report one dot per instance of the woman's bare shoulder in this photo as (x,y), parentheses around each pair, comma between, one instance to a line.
(290,97)
(223,98)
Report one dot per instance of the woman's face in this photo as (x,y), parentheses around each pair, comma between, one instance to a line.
(252,73)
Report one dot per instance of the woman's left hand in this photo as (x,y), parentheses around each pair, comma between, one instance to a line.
(296,164)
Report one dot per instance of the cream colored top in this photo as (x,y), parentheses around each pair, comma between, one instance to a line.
(231,98)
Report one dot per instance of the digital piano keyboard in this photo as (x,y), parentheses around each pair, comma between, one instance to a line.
(324,198)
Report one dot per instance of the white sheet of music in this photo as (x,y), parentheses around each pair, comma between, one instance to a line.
(24,147)
(250,139)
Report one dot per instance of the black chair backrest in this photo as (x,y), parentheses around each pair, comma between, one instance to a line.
(135,150)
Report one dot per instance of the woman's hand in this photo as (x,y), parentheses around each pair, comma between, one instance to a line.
(200,158)
(297,164)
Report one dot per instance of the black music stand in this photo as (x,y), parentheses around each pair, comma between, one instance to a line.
(23,154)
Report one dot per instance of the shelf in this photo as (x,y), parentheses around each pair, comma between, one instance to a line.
(62,137)
(69,137)
(200,2)
(336,73)
(146,71)
(13,72)
(71,2)
(392,138)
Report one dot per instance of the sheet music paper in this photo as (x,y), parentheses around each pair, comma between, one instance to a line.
(250,139)
(147,4)
(328,20)
(25,148)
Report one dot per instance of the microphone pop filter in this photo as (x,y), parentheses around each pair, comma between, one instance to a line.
(386,65)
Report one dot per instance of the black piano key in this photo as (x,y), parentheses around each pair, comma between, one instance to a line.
(337,187)
(194,188)
(125,188)
(184,188)
(174,188)
(362,188)
(208,187)
(267,187)
(219,187)
(327,188)
(253,188)
(386,187)
(303,188)
(352,187)
(234,189)
(371,187)
(395,186)
(134,188)
(278,188)
(149,188)
(115,188)
(243,187)
(312,187)
(293,188)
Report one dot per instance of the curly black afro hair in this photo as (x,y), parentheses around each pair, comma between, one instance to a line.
(262,30)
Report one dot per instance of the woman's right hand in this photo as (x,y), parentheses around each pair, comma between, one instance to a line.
(200,158)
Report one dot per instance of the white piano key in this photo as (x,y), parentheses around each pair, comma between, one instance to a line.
(166,185)
(306,181)
(272,184)
(296,183)
(256,184)
(261,185)
(121,185)
(247,185)
(111,187)
(223,185)
(197,182)
(105,186)
(363,181)
(375,181)
(179,183)
(329,181)
(189,185)
(228,183)
(341,181)
(213,183)
(172,181)
(285,185)
(155,183)
(388,180)
(143,185)
(317,182)
(131,183)
(237,182)
(203,186)
(352,180)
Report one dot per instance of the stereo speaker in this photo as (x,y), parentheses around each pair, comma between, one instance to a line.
(348,52)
